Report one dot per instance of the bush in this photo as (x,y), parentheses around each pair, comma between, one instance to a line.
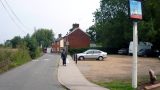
(35,53)
(15,57)
(80,50)
(20,57)
(74,50)
(6,53)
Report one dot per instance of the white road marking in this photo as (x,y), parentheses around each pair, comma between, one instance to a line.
(46,59)
(35,60)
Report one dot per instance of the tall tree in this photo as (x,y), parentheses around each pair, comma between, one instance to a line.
(32,45)
(150,26)
(92,33)
(44,37)
(112,24)
(114,28)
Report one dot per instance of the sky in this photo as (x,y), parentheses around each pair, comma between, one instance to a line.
(27,15)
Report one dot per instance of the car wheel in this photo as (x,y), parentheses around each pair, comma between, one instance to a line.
(81,58)
(100,58)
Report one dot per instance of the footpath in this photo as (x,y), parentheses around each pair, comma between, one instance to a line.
(71,77)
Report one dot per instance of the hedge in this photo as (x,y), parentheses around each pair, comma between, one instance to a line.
(80,50)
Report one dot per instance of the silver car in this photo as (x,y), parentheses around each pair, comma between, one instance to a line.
(92,53)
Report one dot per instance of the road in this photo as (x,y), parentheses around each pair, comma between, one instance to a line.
(39,74)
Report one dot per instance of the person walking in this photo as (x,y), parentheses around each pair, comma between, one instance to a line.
(64,56)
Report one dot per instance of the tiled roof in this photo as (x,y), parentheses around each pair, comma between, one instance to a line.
(75,30)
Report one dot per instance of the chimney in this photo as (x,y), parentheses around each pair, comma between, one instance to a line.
(59,35)
(75,25)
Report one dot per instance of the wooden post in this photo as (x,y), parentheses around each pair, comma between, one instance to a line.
(152,76)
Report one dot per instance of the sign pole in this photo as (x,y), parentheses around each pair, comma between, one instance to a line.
(135,12)
(134,63)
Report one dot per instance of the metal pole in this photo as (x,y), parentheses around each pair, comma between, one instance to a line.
(67,43)
(76,58)
(134,65)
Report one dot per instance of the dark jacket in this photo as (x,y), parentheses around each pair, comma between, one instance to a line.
(63,55)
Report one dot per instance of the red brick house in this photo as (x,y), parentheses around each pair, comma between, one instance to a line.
(57,44)
(76,38)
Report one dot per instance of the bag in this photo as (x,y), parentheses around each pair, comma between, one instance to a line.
(67,61)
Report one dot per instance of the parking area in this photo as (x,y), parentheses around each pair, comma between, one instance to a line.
(116,67)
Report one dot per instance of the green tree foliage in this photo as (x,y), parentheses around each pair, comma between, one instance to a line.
(44,37)
(112,24)
(15,41)
(114,28)
(149,28)
(8,43)
(32,45)
(24,48)
(92,33)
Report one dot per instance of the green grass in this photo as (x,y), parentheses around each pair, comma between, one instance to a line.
(116,85)
(146,79)
(125,84)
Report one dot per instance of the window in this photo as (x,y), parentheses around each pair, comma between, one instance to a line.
(89,52)
(97,51)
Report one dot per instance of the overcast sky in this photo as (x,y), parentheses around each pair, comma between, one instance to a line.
(58,15)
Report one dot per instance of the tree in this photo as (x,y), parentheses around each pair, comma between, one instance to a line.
(32,45)
(112,24)
(92,33)
(8,43)
(15,41)
(114,29)
(44,37)
(150,26)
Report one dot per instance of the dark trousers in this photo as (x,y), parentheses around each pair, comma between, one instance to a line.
(64,61)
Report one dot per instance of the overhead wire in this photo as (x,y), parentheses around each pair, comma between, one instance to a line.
(12,11)
(11,17)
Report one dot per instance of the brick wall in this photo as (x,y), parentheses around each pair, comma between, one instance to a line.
(78,39)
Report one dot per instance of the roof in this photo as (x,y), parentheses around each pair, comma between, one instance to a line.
(75,30)
(58,39)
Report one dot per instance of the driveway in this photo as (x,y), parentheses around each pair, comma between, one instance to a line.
(39,74)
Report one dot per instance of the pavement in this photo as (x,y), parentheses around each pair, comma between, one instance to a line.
(71,77)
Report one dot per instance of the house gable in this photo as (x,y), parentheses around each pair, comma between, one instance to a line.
(78,39)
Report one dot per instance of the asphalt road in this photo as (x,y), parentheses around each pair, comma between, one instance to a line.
(39,74)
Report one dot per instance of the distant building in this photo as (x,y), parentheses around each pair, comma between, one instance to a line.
(56,44)
(76,38)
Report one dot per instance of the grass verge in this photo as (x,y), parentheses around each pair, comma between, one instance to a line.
(116,85)
(126,84)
